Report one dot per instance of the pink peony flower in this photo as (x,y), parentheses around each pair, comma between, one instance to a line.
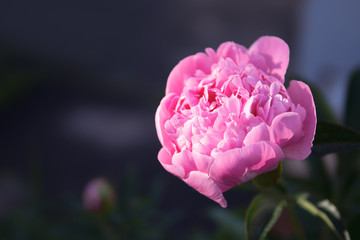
(227,117)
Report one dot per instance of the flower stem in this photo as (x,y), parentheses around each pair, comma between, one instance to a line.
(296,226)
(295,223)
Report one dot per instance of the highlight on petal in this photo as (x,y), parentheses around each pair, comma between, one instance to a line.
(206,186)
(186,68)
(301,94)
(286,128)
(257,134)
(230,167)
(274,51)
(164,113)
(234,51)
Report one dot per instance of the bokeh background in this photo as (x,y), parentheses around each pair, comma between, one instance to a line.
(80,82)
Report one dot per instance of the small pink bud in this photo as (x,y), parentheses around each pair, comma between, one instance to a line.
(99,196)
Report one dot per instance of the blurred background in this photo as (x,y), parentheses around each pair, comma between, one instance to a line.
(80,82)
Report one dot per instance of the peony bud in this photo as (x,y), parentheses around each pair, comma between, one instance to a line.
(99,196)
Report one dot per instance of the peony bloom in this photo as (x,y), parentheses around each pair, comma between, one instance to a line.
(227,117)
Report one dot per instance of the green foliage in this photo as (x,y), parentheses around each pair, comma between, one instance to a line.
(137,216)
(262,215)
(331,138)
(352,113)
(328,213)
(230,224)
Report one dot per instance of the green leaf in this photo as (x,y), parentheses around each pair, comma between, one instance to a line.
(229,221)
(328,213)
(268,179)
(261,216)
(352,113)
(332,138)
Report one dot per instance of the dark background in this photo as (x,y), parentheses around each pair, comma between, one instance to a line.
(80,82)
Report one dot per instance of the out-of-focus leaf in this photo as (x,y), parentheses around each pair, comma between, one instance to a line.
(354,227)
(268,179)
(261,216)
(328,213)
(352,113)
(229,221)
(12,86)
(332,138)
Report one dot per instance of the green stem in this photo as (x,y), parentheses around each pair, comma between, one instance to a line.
(280,186)
(295,223)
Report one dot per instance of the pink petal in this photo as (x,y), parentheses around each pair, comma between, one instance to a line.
(202,162)
(249,105)
(300,94)
(238,165)
(206,186)
(234,51)
(257,134)
(271,54)
(286,128)
(186,68)
(163,113)
(233,105)
(185,160)
(165,160)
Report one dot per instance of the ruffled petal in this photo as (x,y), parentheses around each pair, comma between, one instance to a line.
(186,68)
(238,165)
(202,162)
(164,113)
(185,160)
(271,54)
(300,94)
(234,51)
(165,160)
(206,186)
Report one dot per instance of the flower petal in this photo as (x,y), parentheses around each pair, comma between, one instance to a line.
(164,113)
(186,68)
(185,160)
(234,51)
(257,134)
(286,128)
(206,186)
(238,165)
(300,94)
(271,54)
(165,160)
(202,162)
